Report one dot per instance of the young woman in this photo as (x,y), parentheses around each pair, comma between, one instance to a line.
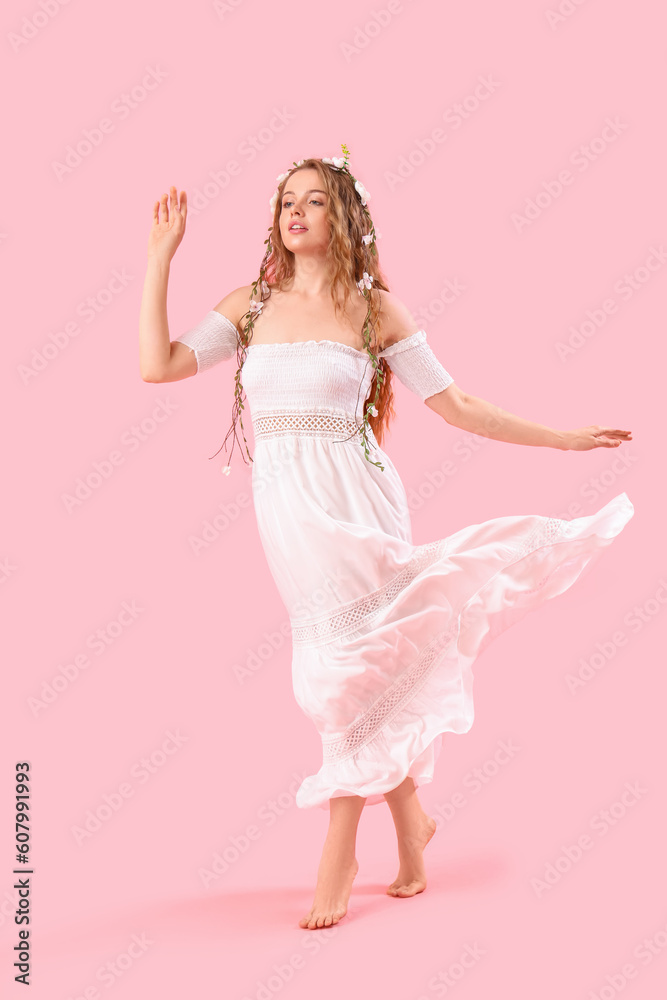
(382,655)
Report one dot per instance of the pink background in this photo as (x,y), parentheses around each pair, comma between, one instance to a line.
(171,667)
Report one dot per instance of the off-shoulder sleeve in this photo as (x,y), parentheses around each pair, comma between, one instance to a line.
(416,366)
(213,340)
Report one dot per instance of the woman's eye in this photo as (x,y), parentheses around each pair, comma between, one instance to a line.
(313,200)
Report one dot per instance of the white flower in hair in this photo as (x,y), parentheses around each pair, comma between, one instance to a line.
(366,281)
(361,190)
(226,470)
(338,161)
(372,410)
(281,177)
(265,287)
(256,307)
(368,238)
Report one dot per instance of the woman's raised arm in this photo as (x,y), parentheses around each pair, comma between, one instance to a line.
(212,340)
(165,236)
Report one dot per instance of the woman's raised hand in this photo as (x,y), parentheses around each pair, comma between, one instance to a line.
(168,225)
(595,436)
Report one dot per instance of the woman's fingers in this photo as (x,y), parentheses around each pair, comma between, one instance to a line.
(167,208)
(175,207)
(611,437)
(595,436)
(615,432)
(173,201)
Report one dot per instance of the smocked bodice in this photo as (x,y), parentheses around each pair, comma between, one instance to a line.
(306,376)
(312,387)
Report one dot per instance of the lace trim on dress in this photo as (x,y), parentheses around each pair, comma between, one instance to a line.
(328,424)
(544,533)
(404,688)
(360,613)
(366,728)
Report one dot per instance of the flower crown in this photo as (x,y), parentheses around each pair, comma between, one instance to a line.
(364,284)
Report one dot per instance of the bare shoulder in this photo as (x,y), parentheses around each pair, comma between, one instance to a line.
(236,303)
(396,319)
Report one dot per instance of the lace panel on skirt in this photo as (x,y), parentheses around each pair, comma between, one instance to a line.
(360,612)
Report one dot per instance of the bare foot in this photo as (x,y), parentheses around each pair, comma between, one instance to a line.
(334,884)
(411,877)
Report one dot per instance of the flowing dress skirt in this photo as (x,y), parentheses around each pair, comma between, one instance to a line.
(384,632)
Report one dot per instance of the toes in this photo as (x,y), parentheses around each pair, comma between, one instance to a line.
(311,922)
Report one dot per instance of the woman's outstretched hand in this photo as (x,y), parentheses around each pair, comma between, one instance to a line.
(595,436)
(168,225)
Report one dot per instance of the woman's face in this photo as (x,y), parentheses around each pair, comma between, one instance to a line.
(304,205)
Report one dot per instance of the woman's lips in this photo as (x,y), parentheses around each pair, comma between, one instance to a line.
(303,230)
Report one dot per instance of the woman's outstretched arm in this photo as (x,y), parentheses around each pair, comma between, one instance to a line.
(478,416)
(420,369)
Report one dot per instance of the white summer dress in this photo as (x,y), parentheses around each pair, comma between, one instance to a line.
(384,632)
